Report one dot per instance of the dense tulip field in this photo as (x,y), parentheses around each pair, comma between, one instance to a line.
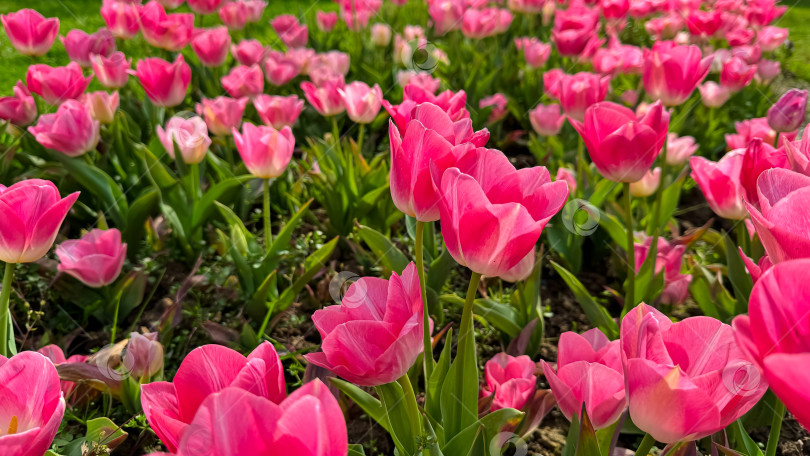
(404,227)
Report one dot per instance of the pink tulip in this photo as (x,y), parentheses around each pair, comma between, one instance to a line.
(446,15)
(621,145)
(780,223)
(569,177)
(248,52)
(546,120)
(19,109)
(121,18)
(337,62)
(112,72)
(763,12)
(755,270)
(326,20)
(171,32)
(798,153)
(647,185)
(758,158)
(714,95)
(510,380)
(33,405)
(679,149)
(614,9)
(171,4)
(665,27)
(204,6)
(770,38)
(492,215)
(325,98)
(33,211)
(695,364)
(234,15)
(255,9)
(498,104)
(211,45)
(71,130)
(57,356)
(619,58)
(589,371)
(535,52)
(301,58)
(787,114)
(190,135)
(774,335)
(720,183)
(748,54)
(290,31)
(171,407)
(736,74)
(81,45)
(767,70)
(57,84)
(222,114)
(280,69)
(265,150)
(749,129)
(576,92)
(423,80)
(526,6)
(101,105)
(244,81)
(29,32)
(380,34)
(573,29)
(144,355)
(453,103)
(704,23)
(478,24)
(671,72)
(375,335)
(96,259)
(668,259)
(362,102)
(164,83)
(277,111)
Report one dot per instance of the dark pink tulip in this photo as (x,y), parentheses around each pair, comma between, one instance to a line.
(704,23)
(578,91)
(758,158)
(713,94)
(736,74)
(787,114)
(277,111)
(244,81)
(248,52)
(96,259)
(325,98)
(55,354)
(621,145)
(71,130)
(101,105)
(546,120)
(171,32)
(755,270)
(211,45)
(798,153)
(33,211)
(326,20)
(770,38)
(775,334)
(205,6)
(446,15)
(57,84)
(510,380)
(164,83)
(30,32)
(780,222)
(265,150)
(362,102)
(255,10)
(144,355)
(720,184)
(695,364)
(222,114)
(280,69)
(671,72)
(19,109)
(492,214)
(80,45)
(33,405)
(170,407)
(749,54)
(453,103)
(290,31)
(763,12)
(190,135)
(121,18)
(668,259)
(614,9)
(665,27)
(589,371)
(739,37)
(375,335)
(573,29)
(112,72)
(234,15)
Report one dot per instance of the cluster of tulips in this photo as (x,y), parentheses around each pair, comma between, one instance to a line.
(604,93)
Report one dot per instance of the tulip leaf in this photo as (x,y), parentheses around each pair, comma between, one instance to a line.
(740,280)
(587,443)
(669,200)
(371,405)
(204,206)
(601,191)
(312,265)
(431,448)
(233,220)
(614,228)
(130,288)
(489,427)
(745,444)
(245,271)
(356,450)
(140,210)
(595,312)
(402,424)
(387,253)
(502,316)
(282,240)
(459,394)
(259,298)
(437,378)
(102,431)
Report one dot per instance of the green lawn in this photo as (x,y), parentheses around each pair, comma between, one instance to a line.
(797,19)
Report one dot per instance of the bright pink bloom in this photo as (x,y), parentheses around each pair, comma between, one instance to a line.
(112,72)
(19,109)
(57,84)
(33,405)
(33,211)
(671,72)
(71,130)
(326,21)
(248,52)
(704,23)
(244,81)
(492,214)
(96,259)
(546,120)
(589,371)
(290,31)
(325,98)
(211,45)
(277,111)
(255,10)
(577,92)
(569,177)
(362,102)
(375,335)
(749,129)
(787,114)
(222,114)
(668,259)
(478,24)
(535,51)
(720,183)
(453,103)
(763,12)
(166,31)
(446,15)
(665,27)
(164,83)
(190,135)
(30,32)
(121,18)
(798,153)
(300,58)
(80,45)
(695,364)
(265,150)
(680,149)
(573,29)
(736,74)
(423,80)
(171,407)
(101,105)
(280,69)
(713,94)
(614,9)
(510,379)
(234,15)
(498,103)
(55,354)
(758,158)
(618,58)
(621,145)
(756,270)
(770,38)
(647,185)
(205,6)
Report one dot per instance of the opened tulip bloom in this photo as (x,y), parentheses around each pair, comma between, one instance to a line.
(510,380)
(647,185)
(211,45)
(19,109)
(277,111)
(81,45)
(265,150)
(57,84)
(279,68)
(325,97)
(171,407)
(143,356)
(71,130)
(112,72)
(737,74)
(672,72)
(290,31)
(244,81)
(121,18)
(685,380)
(222,114)
(679,149)
(668,259)
(720,183)
(787,114)
(589,371)
(375,335)
(30,32)
(171,32)
(758,158)
(248,52)
(189,135)
(95,259)
(164,83)
(713,94)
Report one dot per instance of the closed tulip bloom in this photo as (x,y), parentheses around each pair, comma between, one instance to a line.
(29,32)
(770,38)
(720,183)
(423,80)
(57,84)
(121,18)
(222,114)
(265,150)
(71,130)
(798,152)
(579,91)
(758,158)
(492,214)
(190,135)
(96,259)
(775,335)
(33,211)
(170,407)
(380,35)
(767,70)
(255,10)
(687,380)
(736,74)
(546,120)
(375,335)
(498,104)
(326,20)
(101,105)
(211,45)
(679,149)
(478,24)
(234,15)
(81,45)
(573,29)
(33,405)
(171,32)
(279,69)
(510,379)
(204,6)
(171,4)
(787,114)
(277,111)
(325,98)
(589,372)
(19,109)
(647,185)
(248,52)
(780,222)
(621,145)
(336,61)
(569,177)
(535,52)
(164,83)
(362,102)
(144,355)
(665,27)
(713,94)
(290,31)
(704,23)
(244,81)
(671,72)
(112,72)
(446,15)
(668,259)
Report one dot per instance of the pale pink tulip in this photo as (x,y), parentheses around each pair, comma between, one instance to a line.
(713,94)
(647,185)
(190,135)
(101,105)
(121,18)
(112,72)
(80,45)
(234,15)
(498,104)
(277,111)
(569,177)
(222,114)
(280,69)
(171,32)
(96,259)
(325,98)
(679,149)
(55,354)
(770,38)
(546,120)
(668,259)
(248,52)
(244,81)
(144,355)
(326,20)
(362,102)
(290,31)
(510,380)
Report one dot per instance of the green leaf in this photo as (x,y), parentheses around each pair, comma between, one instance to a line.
(204,206)
(502,316)
(282,241)
(490,425)
(312,265)
(740,280)
(432,405)
(140,210)
(459,396)
(394,402)
(587,443)
(745,444)
(103,431)
(596,313)
(439,270)
(233,220)
(388,254)
(372,406)
(259,298)
(356,450)
(614,228)
(131,288)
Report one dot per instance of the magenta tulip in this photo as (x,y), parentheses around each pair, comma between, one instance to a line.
(510,380)
(112,72)
(170,407)
(244,81)
(255,10)
(787,114)
(121,17)
(477,24)
(280,69)
(704,23)
(57,84)
(362,102)
(19,109)
(171,32)
(546,120)
(574,28)
(55,354)
(758,158)
(446,15)
(326,20)
(749,129)
(265,150)
(277,111)
(736,74)
(30,32)
(498,104)
(234,15)
(668,260)
(211,45)
(290,31)
(204,6)
(143,356)
(248,52)
(325,97)
(453,103)
(672,72)
(96,259)
(189,135)
(164,83)
(71,130)
(798,152)
(578,91)
(222,114)
(569,177)
(720,183)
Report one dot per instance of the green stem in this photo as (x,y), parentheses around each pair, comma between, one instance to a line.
(115,319)
(410,404)
(194,169)
(335,133)
(645,446)
(268,235)
(629,299)
(581,163)
(360,136)
(5,295)
(420,269)
(776,429)
(466,330)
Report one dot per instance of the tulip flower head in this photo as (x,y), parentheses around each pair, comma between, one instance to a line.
(19,109)
(81,45)
(30,32)
(57,84)
(144,355)
(510,380)
(672,72)
(265,150)
(96,259)
(720,183)
(277,111)
(787,114)
(171,32)
(112,72)
(211,45)
(164,83)
(189,135)
(71,130)
(222,114)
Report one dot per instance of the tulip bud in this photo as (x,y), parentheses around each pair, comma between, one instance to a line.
(144,355)
(380,35)
(713,94)
(679,149)
(30,33)
(546,120)
(787,114)
(19,109)
(102,105)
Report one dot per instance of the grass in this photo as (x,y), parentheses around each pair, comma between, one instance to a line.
(797,19)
